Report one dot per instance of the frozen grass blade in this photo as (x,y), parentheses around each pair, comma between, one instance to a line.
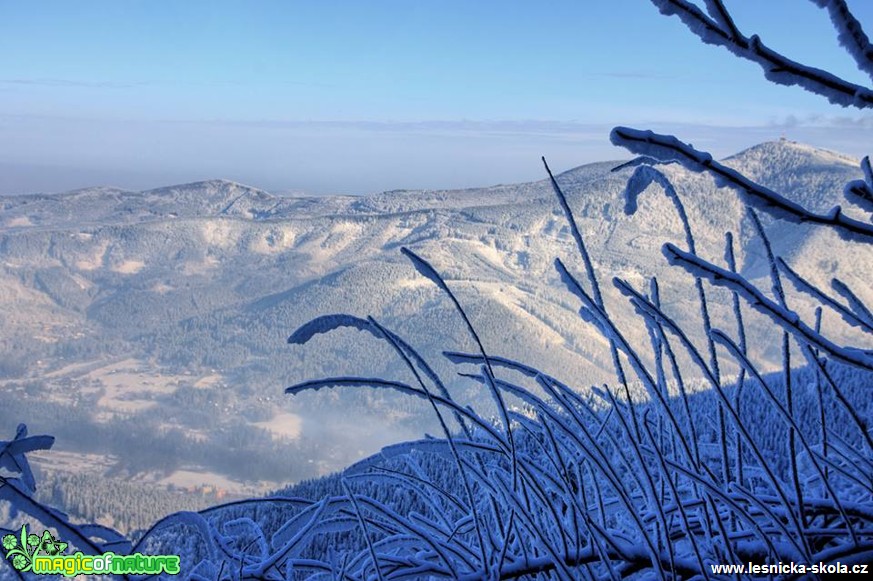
(804,285)
(782,317)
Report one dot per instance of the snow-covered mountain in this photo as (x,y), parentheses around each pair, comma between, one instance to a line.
(167,310)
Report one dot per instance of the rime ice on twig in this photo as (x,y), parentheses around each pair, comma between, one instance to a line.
(850,33)
(860,192)
(669,148)
(778,68)
(786,319)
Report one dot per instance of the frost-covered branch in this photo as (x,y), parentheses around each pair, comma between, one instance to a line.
(850,33)
(668,148)
(856,304)
(786,319)
(805,286)
(777,68)
(18,492)
(860,192)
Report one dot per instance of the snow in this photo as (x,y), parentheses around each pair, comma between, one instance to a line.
(283,425)
(497,256)
(777,68)
(850,33)
(18,221)
(192,479)
(563,486)
(783,317)
(93,260)
(129,267)
(275,239)
(220,233)
(667,148)
(193,267)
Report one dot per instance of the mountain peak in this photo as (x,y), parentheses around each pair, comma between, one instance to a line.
(792,153)
(211,197)
(786,166)
(210,187)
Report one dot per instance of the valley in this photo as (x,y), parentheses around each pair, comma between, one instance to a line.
(147,330)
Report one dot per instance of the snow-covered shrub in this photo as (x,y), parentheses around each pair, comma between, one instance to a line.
(17,487)
(557,481)
(758,469)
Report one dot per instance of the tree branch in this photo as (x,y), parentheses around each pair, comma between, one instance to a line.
(668,148)
(777,68)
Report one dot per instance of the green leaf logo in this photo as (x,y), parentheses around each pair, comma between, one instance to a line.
(9,542)
(22,549)
(19,562)
(20,557)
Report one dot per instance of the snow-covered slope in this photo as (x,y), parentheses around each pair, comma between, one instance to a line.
(206,280)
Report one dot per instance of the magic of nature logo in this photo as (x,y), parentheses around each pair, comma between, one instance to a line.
(43,555)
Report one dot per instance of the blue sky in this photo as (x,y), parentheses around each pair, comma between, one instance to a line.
(362,96)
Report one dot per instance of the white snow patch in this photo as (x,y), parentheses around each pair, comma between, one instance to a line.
(191,268)
(491,254)
(95,260)
(191,480)
(161,288)
(413,283)
(19,221)
(284,425)
(129,386)
(512,299)
(129,267)
(220,233)
(274,240)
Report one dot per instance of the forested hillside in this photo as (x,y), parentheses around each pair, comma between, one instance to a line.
(653,369)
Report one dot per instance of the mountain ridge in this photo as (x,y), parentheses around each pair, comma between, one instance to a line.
(219,196)
(197,286)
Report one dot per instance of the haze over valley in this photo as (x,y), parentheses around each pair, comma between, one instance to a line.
(147,330)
